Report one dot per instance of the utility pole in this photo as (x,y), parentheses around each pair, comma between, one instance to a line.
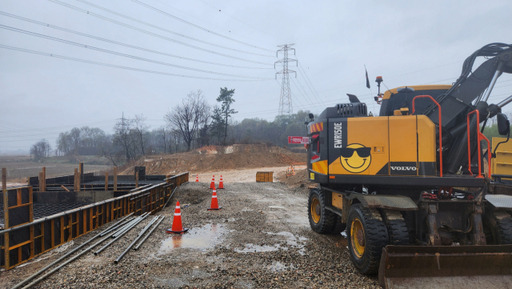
(285,100)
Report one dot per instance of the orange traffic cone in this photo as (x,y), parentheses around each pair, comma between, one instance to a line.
(197,178)
(177,228)
(215,202)
(212,184)
(221,183)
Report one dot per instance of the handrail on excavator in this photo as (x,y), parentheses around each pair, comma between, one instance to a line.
(480,137)
(440,129)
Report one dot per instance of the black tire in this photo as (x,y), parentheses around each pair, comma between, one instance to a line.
(499,228)
(397,230)
(504,230)
(367,236)
(321,220)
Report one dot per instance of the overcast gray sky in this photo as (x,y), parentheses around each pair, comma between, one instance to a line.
(74,63)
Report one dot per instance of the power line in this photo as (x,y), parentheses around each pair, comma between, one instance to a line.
(121,43)
(169,31)
(16,130)
(151,33)
(309,84)
(309,96)
(113,52)
(116,66)
(197,26)
(207,3)
(302,91)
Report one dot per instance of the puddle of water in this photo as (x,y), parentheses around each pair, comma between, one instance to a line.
(203,238)
(292,240)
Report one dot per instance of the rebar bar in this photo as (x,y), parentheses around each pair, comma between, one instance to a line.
(148,225)
(117,225)
(170,197)
(125,226)
(141,218)
(130,225)
(148,234)
(141,233)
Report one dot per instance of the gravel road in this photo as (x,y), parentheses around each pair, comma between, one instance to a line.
(260,239)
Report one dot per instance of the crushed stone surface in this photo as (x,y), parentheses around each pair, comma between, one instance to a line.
(259,239)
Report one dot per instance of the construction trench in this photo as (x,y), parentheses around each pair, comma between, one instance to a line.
(259,239)
(46,213)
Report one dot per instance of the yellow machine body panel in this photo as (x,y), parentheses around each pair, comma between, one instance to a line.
(375,139)
(390,92)
(502,163)
(388,145)
(320,167)
(337,200)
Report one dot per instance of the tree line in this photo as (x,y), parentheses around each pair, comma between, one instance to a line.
(191,124)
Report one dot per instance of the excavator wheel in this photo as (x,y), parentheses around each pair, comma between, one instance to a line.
(499,227)
(322,220)
(367,236)
(504,230)
(397,228)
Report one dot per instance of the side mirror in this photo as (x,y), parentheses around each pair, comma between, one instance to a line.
(503,124)
(311,118)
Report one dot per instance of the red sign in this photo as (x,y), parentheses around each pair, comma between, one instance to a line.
(298,140)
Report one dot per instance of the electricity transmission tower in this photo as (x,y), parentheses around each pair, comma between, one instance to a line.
(285,100)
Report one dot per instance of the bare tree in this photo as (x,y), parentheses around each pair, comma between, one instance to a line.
(188,117)
(75,139)
(139,130)
(40,150)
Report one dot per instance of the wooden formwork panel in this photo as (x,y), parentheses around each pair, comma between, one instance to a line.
(25,239)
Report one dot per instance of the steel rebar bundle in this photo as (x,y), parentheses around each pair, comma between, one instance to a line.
(139,236)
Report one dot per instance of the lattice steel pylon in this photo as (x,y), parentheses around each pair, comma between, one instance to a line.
(285,100)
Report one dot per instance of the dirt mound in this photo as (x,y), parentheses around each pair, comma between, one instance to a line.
(299,179)
(215,158)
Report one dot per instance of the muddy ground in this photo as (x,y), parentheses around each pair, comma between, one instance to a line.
(259,239)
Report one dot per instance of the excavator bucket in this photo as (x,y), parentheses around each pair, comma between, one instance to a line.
(488,266)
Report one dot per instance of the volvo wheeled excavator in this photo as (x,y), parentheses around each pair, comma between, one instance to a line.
(414,187)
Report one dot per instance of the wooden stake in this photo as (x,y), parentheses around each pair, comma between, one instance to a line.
(115,179)
(6,218)
(42,180)
(106,181)
(81,171)
(77,181)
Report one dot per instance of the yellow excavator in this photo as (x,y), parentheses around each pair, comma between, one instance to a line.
(414,187)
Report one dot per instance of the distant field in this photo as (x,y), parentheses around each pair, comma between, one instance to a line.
(19,168)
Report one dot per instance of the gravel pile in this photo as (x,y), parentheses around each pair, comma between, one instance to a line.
(259,239)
